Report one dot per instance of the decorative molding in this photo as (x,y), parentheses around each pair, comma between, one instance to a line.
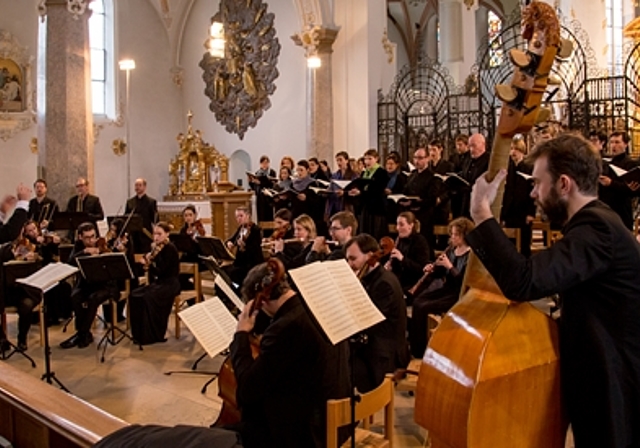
(177,75)
(11,123)
(100,123)
(316,40)
(387,45)
(75,7)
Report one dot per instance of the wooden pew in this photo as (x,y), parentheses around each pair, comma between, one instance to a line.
(34,414)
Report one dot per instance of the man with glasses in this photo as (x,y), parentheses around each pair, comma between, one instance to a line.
(85,202)
(343,226)
(423,184)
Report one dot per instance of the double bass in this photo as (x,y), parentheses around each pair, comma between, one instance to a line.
(490,376)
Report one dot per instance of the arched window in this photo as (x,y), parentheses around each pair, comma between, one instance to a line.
(614,16)
(494,28)
(102,58)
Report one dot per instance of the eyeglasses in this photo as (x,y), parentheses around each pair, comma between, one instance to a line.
(335,229)
(80,185)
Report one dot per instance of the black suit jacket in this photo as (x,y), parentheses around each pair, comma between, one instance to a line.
(36,212)
(10,230)
(147,208)
(618,195)
(594,268)
(252,254)
(283,391)
(90,204)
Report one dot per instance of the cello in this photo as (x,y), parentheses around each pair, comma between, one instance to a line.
(227,385)
(490,376)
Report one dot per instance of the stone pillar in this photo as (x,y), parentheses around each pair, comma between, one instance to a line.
(66,118)
(318,42)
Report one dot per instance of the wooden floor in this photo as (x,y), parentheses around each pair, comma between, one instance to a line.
(131,384)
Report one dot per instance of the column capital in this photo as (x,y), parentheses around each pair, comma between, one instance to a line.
(75,7)
(316,40)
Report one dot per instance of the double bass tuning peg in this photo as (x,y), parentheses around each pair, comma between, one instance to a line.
(564,49)
(506,93)
(519,58)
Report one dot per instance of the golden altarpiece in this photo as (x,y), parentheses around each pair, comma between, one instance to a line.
(198,175)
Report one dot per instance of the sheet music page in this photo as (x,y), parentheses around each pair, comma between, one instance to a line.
(226,288)
(211,323)
(341,183)
(48,275)
(336,298)
(618,171)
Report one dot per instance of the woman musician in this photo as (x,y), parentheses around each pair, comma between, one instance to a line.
(438,290)
(293,254)
(151,304)
(411,252)
(246,241)
(192,225)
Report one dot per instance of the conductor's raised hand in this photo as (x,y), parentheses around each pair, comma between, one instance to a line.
(24,192)
(247,320)
(482,196)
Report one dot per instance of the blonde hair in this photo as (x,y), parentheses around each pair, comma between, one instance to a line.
(306,223)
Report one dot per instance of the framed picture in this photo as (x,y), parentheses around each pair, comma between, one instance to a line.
(12,87)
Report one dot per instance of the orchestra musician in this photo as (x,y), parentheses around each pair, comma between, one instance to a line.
(283,230)
(147,208)
(411,253)
(151,305)
(42,207)
(594,268)
(293,254)
(385,349)
(283,391)
(439,287)
(85,202)
(86,297)
(373,201)
(193,228)
(343,225)
(18,209)
(246,241)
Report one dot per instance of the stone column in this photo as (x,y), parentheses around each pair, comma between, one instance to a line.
(66,118)
(319,92)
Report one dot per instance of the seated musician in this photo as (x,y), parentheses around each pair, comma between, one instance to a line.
(246,241)
(283,230)
(342,227)
(86,297)
(283,391)
(118,241)
(293,254)
(439,289)
(411,252)
(192,227)
(13,294)
(385,349)
(46,249)
(151,305)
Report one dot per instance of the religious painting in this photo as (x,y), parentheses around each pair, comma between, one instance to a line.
(12,94)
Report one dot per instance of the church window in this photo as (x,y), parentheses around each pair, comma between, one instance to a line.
(496,53)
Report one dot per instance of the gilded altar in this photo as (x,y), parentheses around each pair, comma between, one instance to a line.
(198,168)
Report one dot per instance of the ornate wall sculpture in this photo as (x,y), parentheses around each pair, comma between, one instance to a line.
(239,85)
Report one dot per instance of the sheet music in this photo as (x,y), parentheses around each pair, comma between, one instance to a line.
(618,171)
(48,276)
(211,324)
(323,182)
(341,306)
(525,175)
(341,183)
(226,288)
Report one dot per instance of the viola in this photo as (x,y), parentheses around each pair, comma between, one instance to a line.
(386,246)
(23,249)
(196,229)
(155,250)
(490,374)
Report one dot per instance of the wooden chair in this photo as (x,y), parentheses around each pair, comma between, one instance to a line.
(339,414)
(514,234)
(14,310)
(181,299)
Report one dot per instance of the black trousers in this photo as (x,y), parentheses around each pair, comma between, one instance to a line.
(86,299)
(25,305)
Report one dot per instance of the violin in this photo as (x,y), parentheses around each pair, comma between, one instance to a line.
(227,383)
(195,229)
(155,250)
(281,232)
(102,246)
(241,241)
(23,249)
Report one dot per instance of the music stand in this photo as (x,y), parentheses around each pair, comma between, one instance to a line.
(134,224)
(183,242)
(70,221)
(11,272)
(109,267)
(211,246)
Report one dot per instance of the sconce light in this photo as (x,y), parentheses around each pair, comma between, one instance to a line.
(215,43)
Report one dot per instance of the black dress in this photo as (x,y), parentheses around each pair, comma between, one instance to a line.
(373,216)
(594,267)
(416,254)
(151,305)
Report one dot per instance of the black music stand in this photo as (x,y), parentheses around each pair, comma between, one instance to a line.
(48,374)
(70,221)
(134,223)
(11,271)
(109,267)
(211,246)
(183,242)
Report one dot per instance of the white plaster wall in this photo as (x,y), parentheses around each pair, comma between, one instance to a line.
(359,71)
(155,109)
(282,129)
(17,162)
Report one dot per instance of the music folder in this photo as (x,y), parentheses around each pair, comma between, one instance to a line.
(70,220)
(49,276)
(211,324)
(223,282)
(212,246)
(105,267)
(134,224)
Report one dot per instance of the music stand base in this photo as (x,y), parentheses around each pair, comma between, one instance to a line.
(52,376)
(4,355)
(109,337)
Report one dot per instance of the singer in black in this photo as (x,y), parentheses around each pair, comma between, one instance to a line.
(151,305)
(284,391)
(147,207)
